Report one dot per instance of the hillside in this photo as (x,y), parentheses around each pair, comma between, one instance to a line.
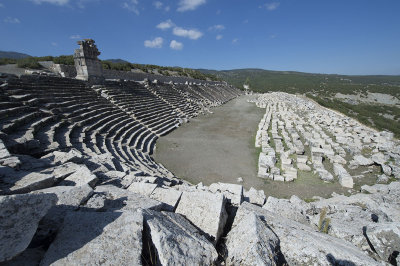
(13,55)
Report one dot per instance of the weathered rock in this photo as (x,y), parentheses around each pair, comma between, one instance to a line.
(142,188)
(169,198)
(385,238)
(302,245)
(233,192)
(254,196)
(22,182)
(177,241)
(94,238)
(294,209)
(80,177)
(19,219)
(382,179)
(344,178)
(361,160)
(60,157)
(303,167)
(111,198)
(205,210)
(252,242)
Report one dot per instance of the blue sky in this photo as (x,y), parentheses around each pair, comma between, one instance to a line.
(320,36)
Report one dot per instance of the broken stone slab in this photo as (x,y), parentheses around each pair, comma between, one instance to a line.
(252,242)
(361,160)
(324,174)
(169,197)
(94,238)
(233,192)
(205,210)
(142,188)
(385,238)
(302,159)
(13,181)
(294,209)
(382,179)
(303,167)
(111,198)
(344,178)
(254,196)
(279,178)
(59,157)
(177,241)
(265,160)
(80,177)
(302,245)
(19,219)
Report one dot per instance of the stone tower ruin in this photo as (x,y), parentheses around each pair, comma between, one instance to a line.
(88,66)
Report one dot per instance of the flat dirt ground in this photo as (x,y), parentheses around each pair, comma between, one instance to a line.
(219,147)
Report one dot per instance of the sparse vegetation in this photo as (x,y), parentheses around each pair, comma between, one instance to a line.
(323,224)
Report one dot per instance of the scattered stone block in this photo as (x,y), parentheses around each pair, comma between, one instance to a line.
(19,219)
(233,192)
(205,210)
(169,198)
(142,188)
(385,238)
(303,167)
(177,241)
(252,242)
(344,178)
(94,238)
(80,177)
(254,196)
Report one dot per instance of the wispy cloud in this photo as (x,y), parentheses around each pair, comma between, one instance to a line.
(235,40)
(158,4)
(219,37)
(273,36)
(75,37)
(270,6)
(156,43)
(216,28)
(54,2)
(165,25)
(192,34)
(132,6)
(54,44)
(12,20)
(187,5)
(175,45)
(1,5)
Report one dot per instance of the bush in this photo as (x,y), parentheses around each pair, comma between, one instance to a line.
(64,59)
(29,62)
(6,61)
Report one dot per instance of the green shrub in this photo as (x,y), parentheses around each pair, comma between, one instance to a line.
(29,62)
(64,59)
(6,61)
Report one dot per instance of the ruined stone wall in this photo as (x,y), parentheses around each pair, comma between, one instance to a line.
(87,65)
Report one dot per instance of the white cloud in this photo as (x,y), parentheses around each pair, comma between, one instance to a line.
(54,2)
(167,8)
(216,28)
(271,6)
(156,43)
(158,4)
(235,40)
(273,36)
(54,44)
(187,5)
(187,33)
(12,20)
(165,25)
(1,5)
(75,37)
(176,45)
(219,37)
(132,6)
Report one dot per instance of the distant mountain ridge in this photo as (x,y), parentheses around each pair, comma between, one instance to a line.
(13,55)
(117,61)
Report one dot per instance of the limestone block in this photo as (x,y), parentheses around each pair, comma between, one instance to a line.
(111,198)
(177,241)
(19,219)
(344,178)
(80,177)
(94,238)
(279,178)
(142,188)
(169,197)
(301,244)
(385,238)
(205,210)
(303,167)
(233,192)
(361,160)
(254,196)
(252,242)
(59,157)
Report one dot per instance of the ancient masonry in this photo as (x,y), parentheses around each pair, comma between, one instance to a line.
(78,186)
(299,135)
(87,65)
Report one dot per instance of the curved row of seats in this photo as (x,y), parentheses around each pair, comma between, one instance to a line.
(39,115)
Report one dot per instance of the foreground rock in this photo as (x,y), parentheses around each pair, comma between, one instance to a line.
(90,238)
(385,238)
(177,241)
(205,210)
(19,219)
(251,242)
(301,245)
